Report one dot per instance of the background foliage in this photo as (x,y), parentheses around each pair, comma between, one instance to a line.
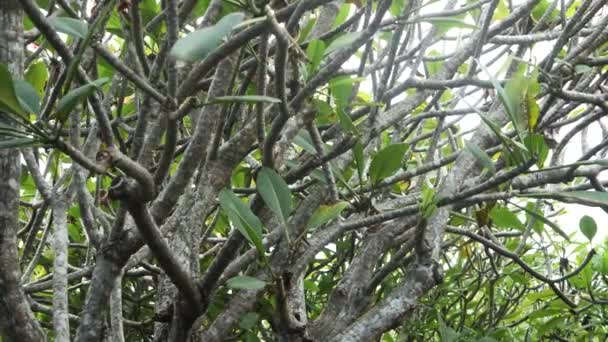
(313,170)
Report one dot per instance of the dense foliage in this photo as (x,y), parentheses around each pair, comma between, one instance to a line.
(313,170)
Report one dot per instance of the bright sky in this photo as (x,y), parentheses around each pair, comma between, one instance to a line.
(569,221)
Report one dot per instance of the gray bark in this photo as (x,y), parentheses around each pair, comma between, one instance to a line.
(17,322)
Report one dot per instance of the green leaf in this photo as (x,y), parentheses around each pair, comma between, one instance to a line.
(535,214)
(446,333)
(304,140)
(314,51)
(444,24)
(434,67)
(397,7)
(510,100)
(199,9)
(245,99)
(74,233)
(537,145)
(346,122)
(503,217)
(325,213)
(198,44)
(539,10)
(545,313)
(72,27)
(149,9)
(342,15)
(8,98)
(428,200)
(386,162)
(310,285)
(515,91)
(344,40)
(243,218)
(482,157)
(359,159)
(275,192)
(19,143)
(582,68)
(502,11)
(245,283)
(27,95)
(322,107)
(12,131)
(588,227)
(600,263)
(249,320)
(305,31)
(533,111)
(491,124)
(114,26)
(71,99)
(342,89)
(37,75)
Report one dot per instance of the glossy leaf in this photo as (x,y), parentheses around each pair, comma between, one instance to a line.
(509,100)
(249,321)
(19,143)
(275,192)
(503,217)
(588,227)
(541,8)
(341,89)
(537,145)
(600,263)
(12,131)
(198,44)
(482,157)
(342,15)
(502,11)
(343,41)
(74,96)
(386,162)
(446,333)
(428,203)
(444,24)
(397,7)
(315,51)
(540,217)
(8,98)
(325,213)
(243,218)
(305,31)
(245,283)
(37,75)
(434,67)
(514,92)
(533,111)
(28,97)
(582,68)
(73,27)
(346,122)
(304,140)
(359,159)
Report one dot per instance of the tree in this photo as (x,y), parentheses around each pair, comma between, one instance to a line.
(308,171)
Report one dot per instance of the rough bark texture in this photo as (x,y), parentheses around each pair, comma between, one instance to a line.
(374,260)
(61,323)
(17,322)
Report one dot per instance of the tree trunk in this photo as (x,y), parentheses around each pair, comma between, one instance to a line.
(17,322)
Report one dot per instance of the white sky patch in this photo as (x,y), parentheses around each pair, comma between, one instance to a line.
(569,221)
